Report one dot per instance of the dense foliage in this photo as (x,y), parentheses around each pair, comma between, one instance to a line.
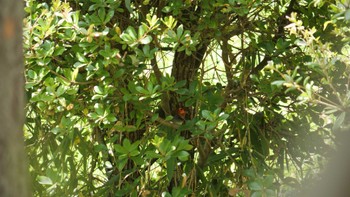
(175,98)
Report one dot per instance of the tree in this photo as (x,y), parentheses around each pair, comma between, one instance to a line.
(106,79)
(329,88)
(13,168)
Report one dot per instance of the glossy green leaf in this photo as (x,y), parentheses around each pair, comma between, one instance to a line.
(98,89)
(44,180)
(81,57)
(146,40)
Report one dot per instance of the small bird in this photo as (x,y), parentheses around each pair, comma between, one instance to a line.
(181,112)
(180,116)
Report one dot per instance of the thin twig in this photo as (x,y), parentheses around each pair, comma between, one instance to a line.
(164,122)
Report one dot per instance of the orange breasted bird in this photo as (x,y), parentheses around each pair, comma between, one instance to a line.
(181,112)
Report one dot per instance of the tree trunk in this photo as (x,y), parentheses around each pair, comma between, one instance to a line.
(13,166)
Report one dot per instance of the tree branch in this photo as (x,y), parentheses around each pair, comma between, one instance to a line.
(164,122)
(279,34)
(69,81)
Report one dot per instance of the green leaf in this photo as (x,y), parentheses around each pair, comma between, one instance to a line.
(347,14)
(131,32)
(288,79)
(81,58)
(60,90)
(172,34)
(166,194)
(182,91)
(306,80)
(142,31)
(169,21)
(154,117)
(141,90)
(278,83)
(257,194)
(32,74)
(164,147)
(290,89)
(152,155)
(166,9)
(97,96)
(127,97)
(42,62)
(180,192)
(47,98)
(170,164)
(99,108)
(207,115)
(179,31)
(134,153)
(255,185)
(268,181)
(109,15)
(138,160)
(150,87)
(249,173)
(44,180)
(128,6)
(56,130)
(62,101)
(270,192)
(75,74)
(129,36)
(98,89)
(183,155)
(339,121)
(111,118)
(121,163)
(120,149)
(59,51)
(180,84)
(127,144)
(223,117)
(135,145)
(119,73)
(102,14)
(100,148)
(146,40)
(108,165)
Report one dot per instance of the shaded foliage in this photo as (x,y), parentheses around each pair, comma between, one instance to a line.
(105,81)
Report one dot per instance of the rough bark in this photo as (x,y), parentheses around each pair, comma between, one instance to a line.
(185,68)
(13,166)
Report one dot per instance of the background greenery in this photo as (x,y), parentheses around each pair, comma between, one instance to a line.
(265,85)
